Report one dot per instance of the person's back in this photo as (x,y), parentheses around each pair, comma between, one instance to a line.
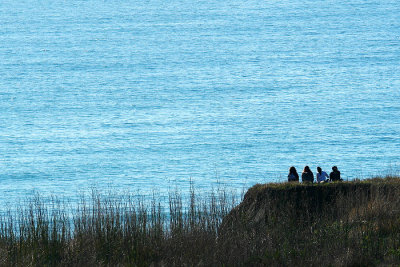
(335,174)
(293,176)
(307,175)
(321,175)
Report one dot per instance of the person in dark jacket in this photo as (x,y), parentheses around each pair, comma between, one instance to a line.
(335,174)
(307,176)
(293,176)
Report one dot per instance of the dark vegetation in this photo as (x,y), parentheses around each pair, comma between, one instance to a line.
(336,224)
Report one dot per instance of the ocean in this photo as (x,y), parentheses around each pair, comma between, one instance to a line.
(150,95)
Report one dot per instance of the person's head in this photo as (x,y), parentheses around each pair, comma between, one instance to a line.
(306,169)
(334,168)
(292,170)
(319,170)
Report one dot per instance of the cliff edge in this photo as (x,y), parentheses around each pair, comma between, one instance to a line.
(346,223)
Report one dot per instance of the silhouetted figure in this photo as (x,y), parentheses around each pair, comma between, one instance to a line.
(322,176)
(335,174)
(307,176)
(293,176)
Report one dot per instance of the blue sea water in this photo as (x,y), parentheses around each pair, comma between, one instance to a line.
(150,94)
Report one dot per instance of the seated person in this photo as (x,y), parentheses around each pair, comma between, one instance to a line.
(307,175)
(335,174)
(321,176)
(293,176)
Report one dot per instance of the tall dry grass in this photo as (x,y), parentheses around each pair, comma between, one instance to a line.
(340,224)
(109,230)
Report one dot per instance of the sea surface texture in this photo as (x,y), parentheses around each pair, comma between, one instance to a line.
(151,94)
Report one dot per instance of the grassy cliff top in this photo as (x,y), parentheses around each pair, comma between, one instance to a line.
(354,223)
(389,180)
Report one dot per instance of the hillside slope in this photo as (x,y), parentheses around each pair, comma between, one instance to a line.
(339,224)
